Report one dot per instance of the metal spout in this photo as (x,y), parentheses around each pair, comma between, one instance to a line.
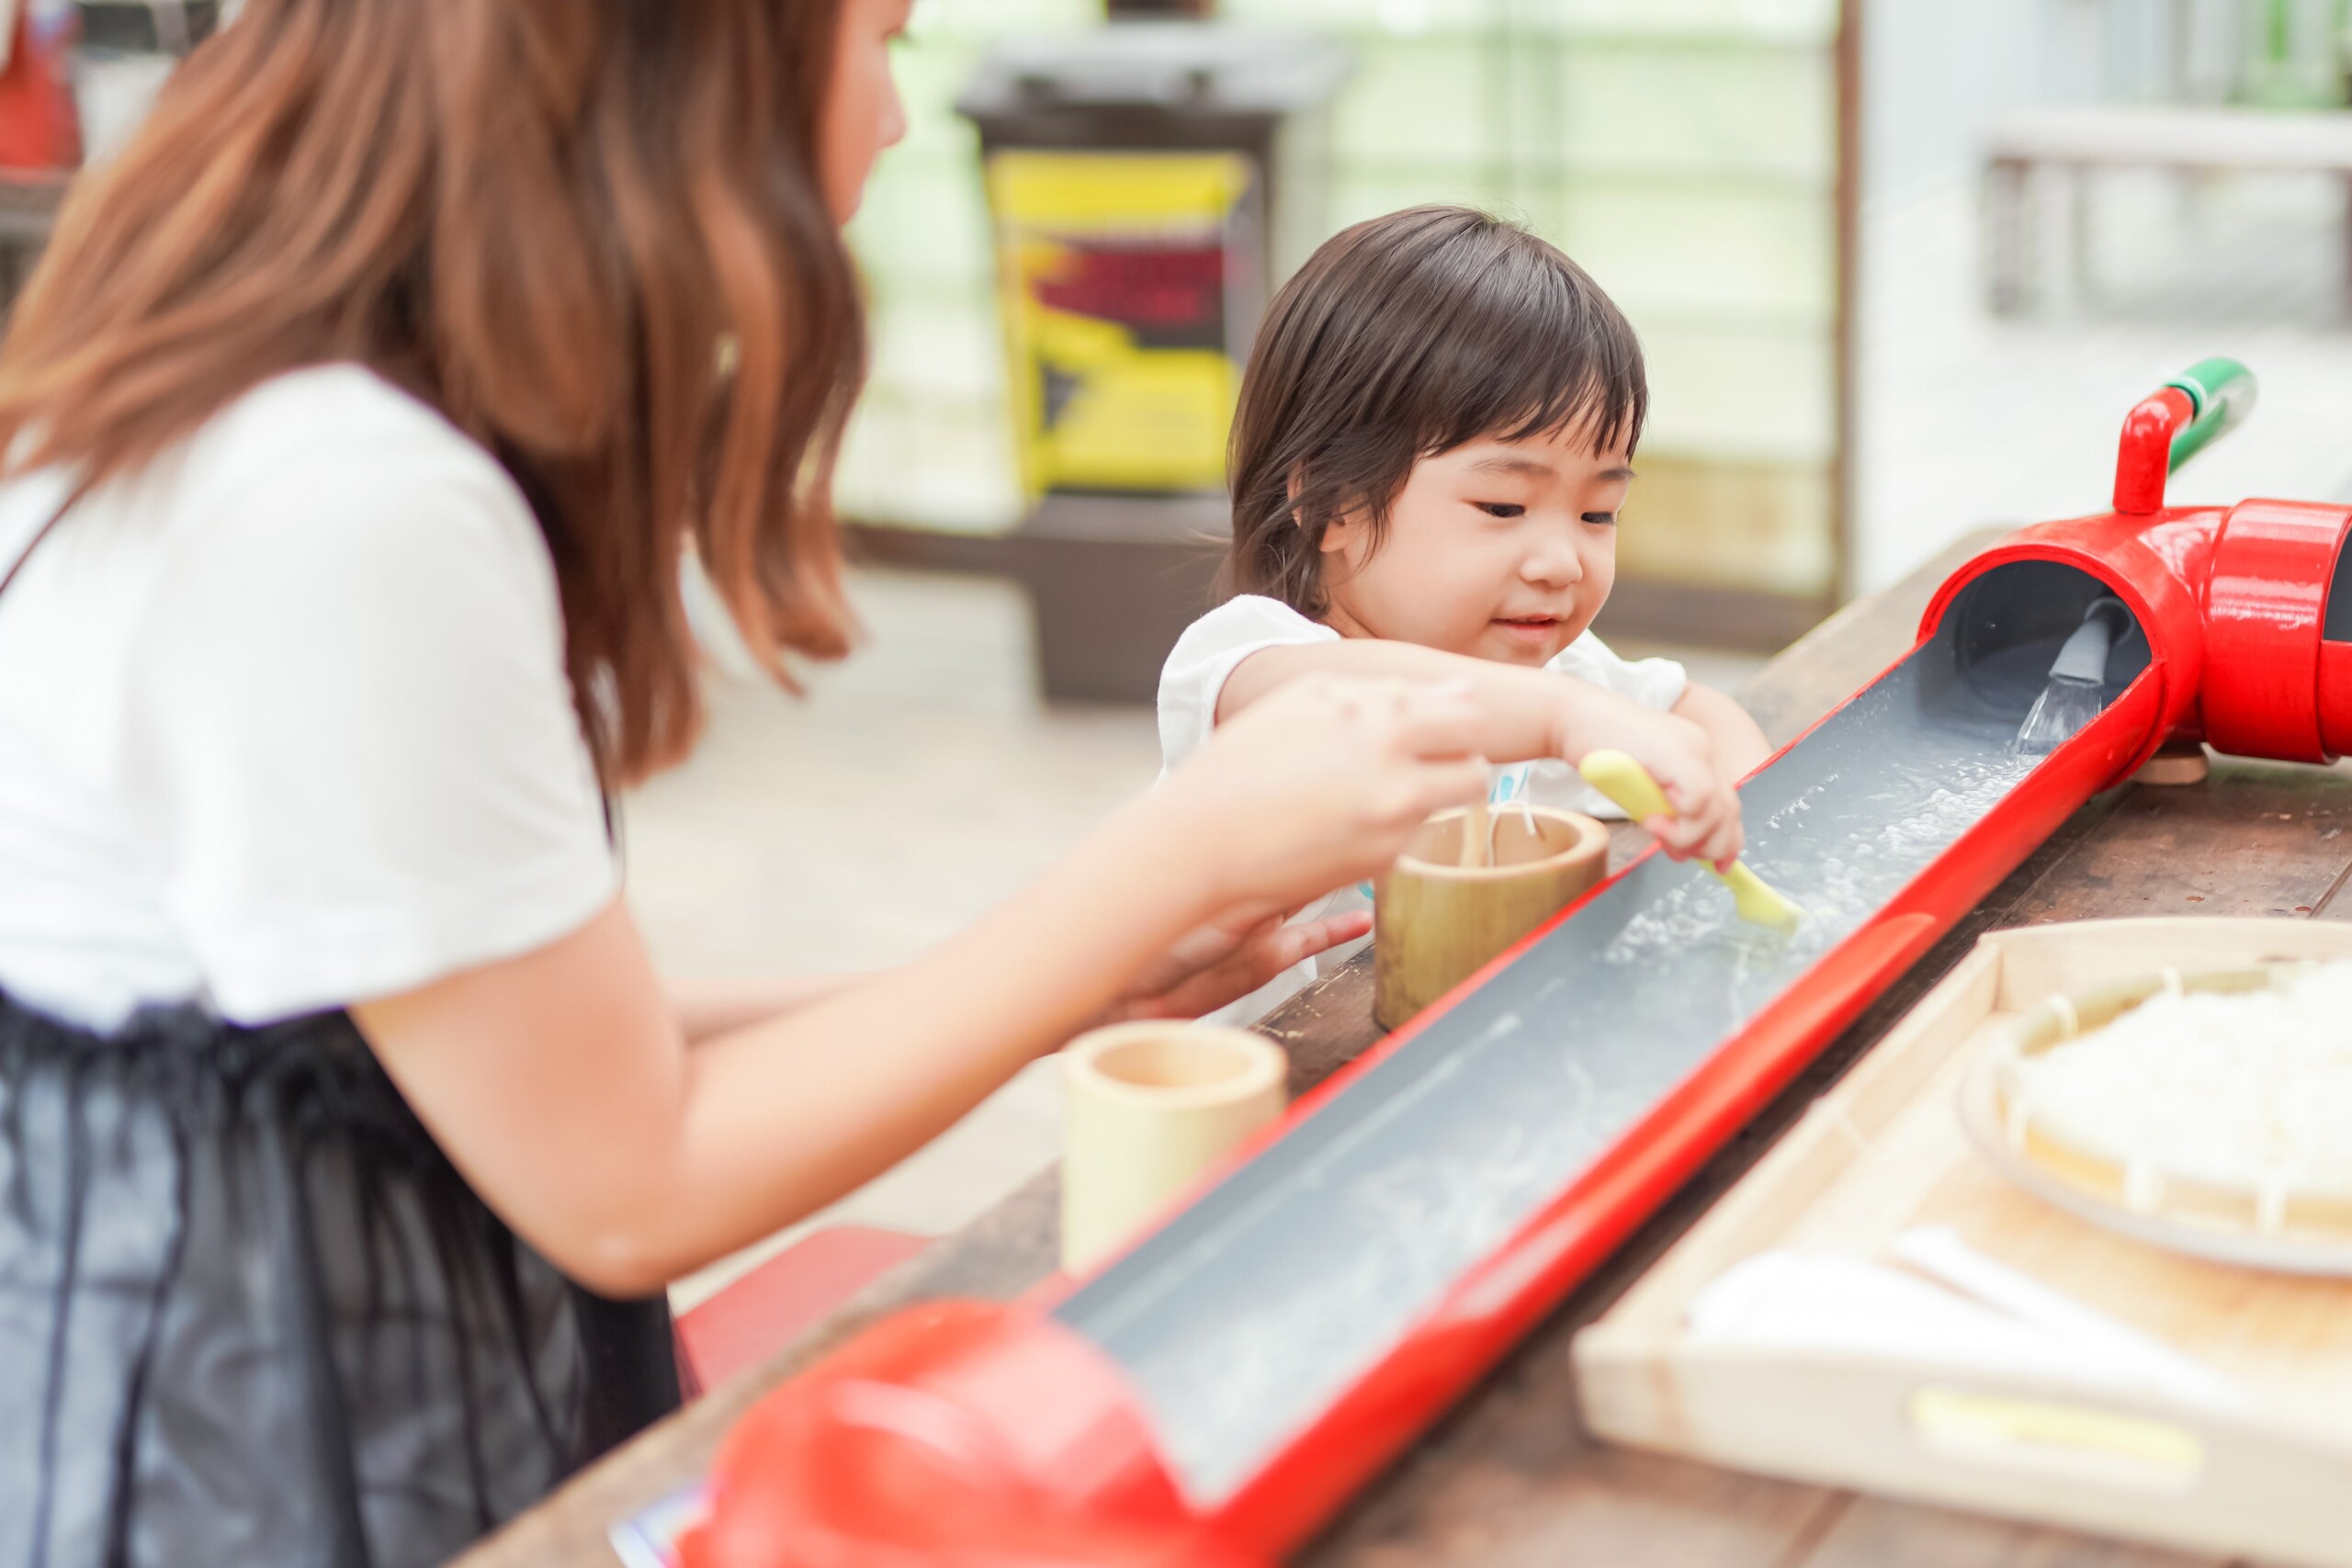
(2084,658)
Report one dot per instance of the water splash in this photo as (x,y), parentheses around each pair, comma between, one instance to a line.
(2066,706)
(2077,689)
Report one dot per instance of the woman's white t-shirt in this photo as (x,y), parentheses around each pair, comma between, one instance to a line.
(284,719)
(1213,647)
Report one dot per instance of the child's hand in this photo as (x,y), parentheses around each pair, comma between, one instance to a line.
(1323,783)
(1681,757)
(1227,959)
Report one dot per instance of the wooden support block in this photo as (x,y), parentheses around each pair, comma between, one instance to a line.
(2177,763)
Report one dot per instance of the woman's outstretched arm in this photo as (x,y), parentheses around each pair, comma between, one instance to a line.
(562,1086)
(1221,960)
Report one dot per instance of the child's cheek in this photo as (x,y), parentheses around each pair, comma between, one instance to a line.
(1600,577)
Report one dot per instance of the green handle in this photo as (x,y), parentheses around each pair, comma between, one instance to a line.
(2221,391)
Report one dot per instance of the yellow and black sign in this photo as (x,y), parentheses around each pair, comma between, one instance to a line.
(1118,272)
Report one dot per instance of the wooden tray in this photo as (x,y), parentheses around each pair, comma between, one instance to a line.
(2265,1471)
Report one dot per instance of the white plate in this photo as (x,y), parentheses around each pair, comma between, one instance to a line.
(2289,1252)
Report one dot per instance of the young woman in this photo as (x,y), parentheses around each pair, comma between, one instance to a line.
(358,422)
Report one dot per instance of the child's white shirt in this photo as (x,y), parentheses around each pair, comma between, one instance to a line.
(1213,647)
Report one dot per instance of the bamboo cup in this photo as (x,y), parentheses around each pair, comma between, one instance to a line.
(1147,1109)
(1437,921)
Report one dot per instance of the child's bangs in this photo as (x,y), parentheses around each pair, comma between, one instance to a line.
(1401,338)
(1533,348)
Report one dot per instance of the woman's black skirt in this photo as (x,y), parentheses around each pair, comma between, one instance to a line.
(249,1314)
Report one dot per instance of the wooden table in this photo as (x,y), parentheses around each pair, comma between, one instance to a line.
(1510,1478)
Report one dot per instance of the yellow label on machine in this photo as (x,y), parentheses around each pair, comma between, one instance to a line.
(1115,270)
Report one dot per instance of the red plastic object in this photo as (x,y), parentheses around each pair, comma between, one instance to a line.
(2266,602)
(963,1434)
(2232,604)
(2145,460)
(39,127)
(2335,698)
(772,1305)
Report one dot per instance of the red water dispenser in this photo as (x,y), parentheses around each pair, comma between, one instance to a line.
(1212,1395)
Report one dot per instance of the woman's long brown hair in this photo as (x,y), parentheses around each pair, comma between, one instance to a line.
(553,220)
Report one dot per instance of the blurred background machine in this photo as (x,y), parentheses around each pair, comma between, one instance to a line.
(1149,181)
(1067,258)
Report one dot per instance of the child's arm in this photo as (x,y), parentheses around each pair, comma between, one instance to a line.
(1532,714)
(1739,744)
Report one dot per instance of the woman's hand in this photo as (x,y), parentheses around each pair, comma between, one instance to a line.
(1226,959)
(1322,784)
(1679,754)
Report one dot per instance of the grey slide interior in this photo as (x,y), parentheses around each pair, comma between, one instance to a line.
(1249,1312)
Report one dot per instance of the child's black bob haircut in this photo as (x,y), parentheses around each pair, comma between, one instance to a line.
(1403,337)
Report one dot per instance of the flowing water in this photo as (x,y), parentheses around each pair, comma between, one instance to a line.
(1248,1315)
(2059,714)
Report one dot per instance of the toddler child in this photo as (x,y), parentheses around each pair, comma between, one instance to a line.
(1434,438)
